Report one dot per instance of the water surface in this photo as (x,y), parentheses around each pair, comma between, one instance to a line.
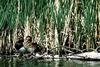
(15,62)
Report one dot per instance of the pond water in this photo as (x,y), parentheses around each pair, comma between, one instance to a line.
(14,62)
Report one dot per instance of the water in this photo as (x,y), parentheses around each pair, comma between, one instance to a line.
(15,62)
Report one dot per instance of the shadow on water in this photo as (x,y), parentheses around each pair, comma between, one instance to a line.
(6,61)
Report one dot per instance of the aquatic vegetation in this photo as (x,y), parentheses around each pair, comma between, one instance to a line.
(51,23)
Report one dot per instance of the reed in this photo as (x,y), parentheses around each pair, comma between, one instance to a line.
(49,21)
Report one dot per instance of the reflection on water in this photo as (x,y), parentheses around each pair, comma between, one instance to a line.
(22,62)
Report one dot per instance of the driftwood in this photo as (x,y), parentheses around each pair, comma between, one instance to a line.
(70,53)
